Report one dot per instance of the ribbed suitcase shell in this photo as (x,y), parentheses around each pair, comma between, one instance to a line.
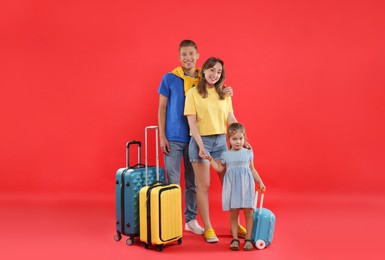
(160,214)
(128,183)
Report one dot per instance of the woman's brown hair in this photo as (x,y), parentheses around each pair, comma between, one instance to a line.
(209,63)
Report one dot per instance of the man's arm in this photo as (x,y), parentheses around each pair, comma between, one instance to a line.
(164,145)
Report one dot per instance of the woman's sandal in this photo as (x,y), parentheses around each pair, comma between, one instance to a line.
(248,245)
(234,245)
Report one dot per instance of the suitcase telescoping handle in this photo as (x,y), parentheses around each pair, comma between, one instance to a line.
(261,203)
(133,142)
(156,151)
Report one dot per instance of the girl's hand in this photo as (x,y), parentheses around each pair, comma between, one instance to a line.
(262,187)
(208,157)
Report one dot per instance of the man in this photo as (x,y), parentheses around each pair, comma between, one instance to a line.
(174,132)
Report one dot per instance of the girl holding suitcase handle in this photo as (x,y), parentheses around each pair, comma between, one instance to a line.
(238,184)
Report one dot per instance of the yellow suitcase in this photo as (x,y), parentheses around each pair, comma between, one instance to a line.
(160,209)
(160,215)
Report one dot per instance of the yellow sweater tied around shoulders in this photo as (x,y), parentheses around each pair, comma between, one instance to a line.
(189,81)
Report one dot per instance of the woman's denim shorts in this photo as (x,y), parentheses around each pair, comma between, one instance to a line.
(214,145)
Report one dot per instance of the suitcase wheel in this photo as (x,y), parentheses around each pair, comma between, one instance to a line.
(145,245)
(179,241)
(130,241)
(260,244)
(117,237)
(159,248)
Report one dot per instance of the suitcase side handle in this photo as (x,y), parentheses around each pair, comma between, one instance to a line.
(129,143)
(156,151)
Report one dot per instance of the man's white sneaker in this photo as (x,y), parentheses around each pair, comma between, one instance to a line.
(194,227)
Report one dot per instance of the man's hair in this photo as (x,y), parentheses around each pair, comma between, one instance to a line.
(188,43)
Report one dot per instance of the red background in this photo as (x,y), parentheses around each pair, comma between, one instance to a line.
(80,78)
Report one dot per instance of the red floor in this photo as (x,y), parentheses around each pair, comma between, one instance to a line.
(309,226)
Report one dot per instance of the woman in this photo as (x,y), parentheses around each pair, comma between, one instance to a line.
(209,111)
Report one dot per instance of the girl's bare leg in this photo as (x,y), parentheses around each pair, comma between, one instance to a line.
(234,216)
(249,217)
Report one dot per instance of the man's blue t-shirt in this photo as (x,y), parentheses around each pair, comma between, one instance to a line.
(177,128)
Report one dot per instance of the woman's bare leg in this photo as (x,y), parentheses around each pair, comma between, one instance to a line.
(202,178)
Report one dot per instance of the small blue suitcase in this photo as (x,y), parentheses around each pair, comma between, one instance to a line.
(129,181)
(264,223)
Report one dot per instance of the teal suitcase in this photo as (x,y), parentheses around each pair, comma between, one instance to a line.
(128,182)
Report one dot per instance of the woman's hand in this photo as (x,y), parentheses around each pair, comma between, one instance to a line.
(202,152)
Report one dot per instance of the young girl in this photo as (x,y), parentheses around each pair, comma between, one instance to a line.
(238,190)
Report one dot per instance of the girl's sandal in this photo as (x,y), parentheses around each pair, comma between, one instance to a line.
(248,245)
(234,245)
